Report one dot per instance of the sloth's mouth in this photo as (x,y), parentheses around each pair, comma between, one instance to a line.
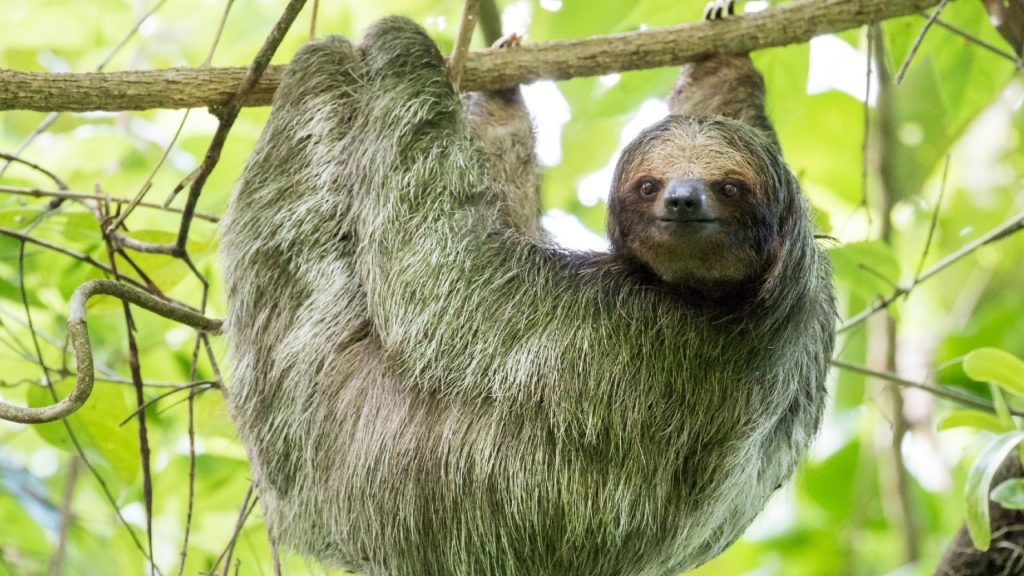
(688,220)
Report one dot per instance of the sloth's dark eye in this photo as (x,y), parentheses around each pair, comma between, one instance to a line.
(648,188)
(732,189)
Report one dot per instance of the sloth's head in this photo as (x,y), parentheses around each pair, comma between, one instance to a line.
(703,203)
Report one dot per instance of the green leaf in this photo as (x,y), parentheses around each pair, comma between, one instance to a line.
(927,103)
(167,272)
(1010,494)
(997,367)
(825,117)
(96,425)
(868,269)
(973,419)
(979,482)
(785,72)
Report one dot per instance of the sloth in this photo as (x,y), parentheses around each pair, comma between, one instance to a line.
(426,386)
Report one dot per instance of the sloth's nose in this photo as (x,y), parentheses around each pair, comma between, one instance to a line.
(685,199)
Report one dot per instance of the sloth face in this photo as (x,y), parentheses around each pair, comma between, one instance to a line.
(698,202)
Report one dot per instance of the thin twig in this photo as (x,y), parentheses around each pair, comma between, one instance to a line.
(39,129)
(136,373)
(973,39)
(939,391)
(80,196)
(15,343)
(193,373)
(243,515)
(23,293)
(177,133)
(56,179)
(69,253)
(1004,230)
(146,247)
(53,394)
(457,60)
(143,430)
(934,220)
(66,516)
(229,112)
(108,494)
(877,274)
(275,557)
(153,288)
(312,19)
(179,187)
(108,373)
(208,61)
(124,41)
(142,407)
(865,145)
(119,242)
(148,184)
(210,356)
(917,41)
(894,475)
(78,334)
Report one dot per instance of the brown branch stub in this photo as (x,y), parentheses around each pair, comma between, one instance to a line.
(1008,19)
(484,70)
(78,334)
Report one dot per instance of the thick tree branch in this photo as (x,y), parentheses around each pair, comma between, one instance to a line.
(484,70)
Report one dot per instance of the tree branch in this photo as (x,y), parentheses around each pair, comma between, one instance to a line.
(79,335)
(457,60)
(945,392)
(484,70)
(1004,230)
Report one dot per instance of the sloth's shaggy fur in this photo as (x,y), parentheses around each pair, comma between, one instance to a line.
(424,387)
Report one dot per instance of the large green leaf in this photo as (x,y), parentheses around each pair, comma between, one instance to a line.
(949,82)
(997,367)
(979,483)
(868,269)
(973,419)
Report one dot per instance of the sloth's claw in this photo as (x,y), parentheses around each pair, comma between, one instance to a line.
(719,9)
(511,40)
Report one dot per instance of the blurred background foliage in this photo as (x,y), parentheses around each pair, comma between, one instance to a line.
(959,103)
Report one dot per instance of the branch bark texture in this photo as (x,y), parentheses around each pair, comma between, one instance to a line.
(484,70)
